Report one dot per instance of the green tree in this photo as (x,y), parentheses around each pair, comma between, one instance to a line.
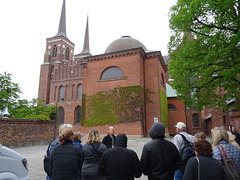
(205,52)
(31,110)
(9,93)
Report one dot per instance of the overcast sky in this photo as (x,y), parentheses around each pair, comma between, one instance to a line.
(25,25)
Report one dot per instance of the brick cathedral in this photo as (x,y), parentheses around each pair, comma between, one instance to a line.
(111,88)
(120,77)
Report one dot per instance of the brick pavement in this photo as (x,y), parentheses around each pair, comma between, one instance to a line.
(35,154)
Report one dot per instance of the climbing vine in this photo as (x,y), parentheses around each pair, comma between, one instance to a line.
(163,108)
(122,104)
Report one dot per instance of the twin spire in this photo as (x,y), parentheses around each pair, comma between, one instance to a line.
(62,31)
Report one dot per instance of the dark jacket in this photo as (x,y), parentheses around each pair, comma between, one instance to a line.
(120,163)
(92,155)
(210,169)
(65,161)
(160,158)
(237,137)
(108,141)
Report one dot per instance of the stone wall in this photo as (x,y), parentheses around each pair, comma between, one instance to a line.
(25,132)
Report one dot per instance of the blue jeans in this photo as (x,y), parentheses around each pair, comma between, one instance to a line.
(178,175)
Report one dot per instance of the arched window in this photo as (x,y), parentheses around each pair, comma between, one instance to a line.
(67,54)
(112,72)
(78,115)
(80,88)
(55,50)
(61,92)
(162,80)
(171,107)
(66,92)
(195,117)
(61,116)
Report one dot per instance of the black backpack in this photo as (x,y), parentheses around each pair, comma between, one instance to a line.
(186,150)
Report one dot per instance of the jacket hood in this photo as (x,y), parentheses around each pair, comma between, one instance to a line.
(121,140)
(157,131)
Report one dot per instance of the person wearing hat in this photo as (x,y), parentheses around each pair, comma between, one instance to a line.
(160,158)
(177,140)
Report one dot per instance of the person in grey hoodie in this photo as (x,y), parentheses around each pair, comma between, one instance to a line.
(160,157)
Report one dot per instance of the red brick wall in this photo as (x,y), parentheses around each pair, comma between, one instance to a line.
(177,116)
(23,132)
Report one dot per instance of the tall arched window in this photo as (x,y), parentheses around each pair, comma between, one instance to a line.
(111,73)
(80,88)
(61,92)
(61,116)
(67,54)
(162,80)
(55,50)
(195,117)
(66,92)
(78,115)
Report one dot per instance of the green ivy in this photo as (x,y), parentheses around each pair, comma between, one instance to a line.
(163,108)
(122,104)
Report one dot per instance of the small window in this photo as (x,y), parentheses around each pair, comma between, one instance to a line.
(61,115)
(171,107)
(80,88)
(67,54)
(112,72)
(55,50)
(195,120)
(61,93)
(78,115)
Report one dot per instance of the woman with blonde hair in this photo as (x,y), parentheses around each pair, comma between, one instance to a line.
(92,153)
(220,140)
(66,158)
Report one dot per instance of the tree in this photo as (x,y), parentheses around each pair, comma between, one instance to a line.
(9,92)
(31,110)
(205,52)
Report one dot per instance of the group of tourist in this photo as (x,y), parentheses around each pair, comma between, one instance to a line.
(110,159)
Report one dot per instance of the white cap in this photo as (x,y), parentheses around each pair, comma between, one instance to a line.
(181,125)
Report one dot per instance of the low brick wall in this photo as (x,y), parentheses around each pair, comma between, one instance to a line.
(25,132)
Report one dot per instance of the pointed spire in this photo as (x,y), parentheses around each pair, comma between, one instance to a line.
(62,22)
(86,42)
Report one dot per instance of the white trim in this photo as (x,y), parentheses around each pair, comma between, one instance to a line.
(68,43)
(55,40)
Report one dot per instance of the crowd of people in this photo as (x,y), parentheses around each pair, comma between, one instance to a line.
(110,159)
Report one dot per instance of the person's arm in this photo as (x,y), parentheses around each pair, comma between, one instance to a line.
(137,166)
(145,160)
(101,166)
(178,163)
(217,154)
(190,171)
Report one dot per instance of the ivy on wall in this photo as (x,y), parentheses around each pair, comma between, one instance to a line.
(120,105)
(163,108)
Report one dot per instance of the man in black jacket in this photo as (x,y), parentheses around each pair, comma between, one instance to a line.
(120,163)
(160,157)
(109,140)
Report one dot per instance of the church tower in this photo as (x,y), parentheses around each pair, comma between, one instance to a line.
(59,51)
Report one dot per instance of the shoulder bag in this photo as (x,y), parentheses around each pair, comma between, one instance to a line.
(229,165)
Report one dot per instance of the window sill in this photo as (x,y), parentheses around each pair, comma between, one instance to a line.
(113,79)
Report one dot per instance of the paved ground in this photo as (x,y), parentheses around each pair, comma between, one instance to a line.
(35,154)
